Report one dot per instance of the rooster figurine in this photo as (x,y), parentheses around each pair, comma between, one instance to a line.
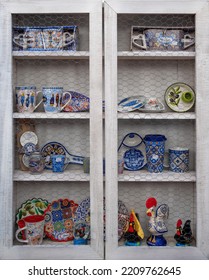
(134,233)
(156,224)
(183,236)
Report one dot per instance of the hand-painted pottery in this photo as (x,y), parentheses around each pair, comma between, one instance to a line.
(179,159)
(79,102)
(26,99)
(59,220)
(34,230)
(155,149)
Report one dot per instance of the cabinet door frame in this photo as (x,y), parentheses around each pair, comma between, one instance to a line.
(96,248)
(201,10)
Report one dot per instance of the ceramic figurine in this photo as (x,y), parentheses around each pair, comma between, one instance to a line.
(183,235)
(156,224)
(134,233)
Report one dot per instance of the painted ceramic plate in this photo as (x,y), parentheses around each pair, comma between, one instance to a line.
(131,103)
(83,213)
(79,102)
(35,206)
(152,105)
(180,97)
(59,220)
(134,159)
(28,137)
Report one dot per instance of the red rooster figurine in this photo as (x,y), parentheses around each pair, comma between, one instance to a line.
(156,224)
(134,233)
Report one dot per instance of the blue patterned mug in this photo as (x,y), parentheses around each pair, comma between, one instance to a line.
(26,99)
(58,163)
(179,159)
(52,99)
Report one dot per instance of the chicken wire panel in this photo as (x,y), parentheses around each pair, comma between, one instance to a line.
(180,198)
(179,133)
(71,75)
(72,134)
(57,20)
(151,78)
(24,191)
(125,21)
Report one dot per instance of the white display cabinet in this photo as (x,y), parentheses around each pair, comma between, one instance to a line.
(149,73)
(77,70)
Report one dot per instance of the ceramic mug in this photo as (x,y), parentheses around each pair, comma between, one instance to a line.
(58,163)
(52,99)
(26,99)
(34,230)
(179,159)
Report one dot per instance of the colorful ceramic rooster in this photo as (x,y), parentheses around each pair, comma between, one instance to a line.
(156,224)
(183,236)
(134,233)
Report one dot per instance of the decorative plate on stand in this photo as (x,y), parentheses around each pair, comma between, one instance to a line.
(180,97)
(83,213)
(59,220)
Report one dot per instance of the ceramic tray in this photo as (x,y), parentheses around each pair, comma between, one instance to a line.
(152,105)
(79,102)
(180,97)
(59,220)
(131,103)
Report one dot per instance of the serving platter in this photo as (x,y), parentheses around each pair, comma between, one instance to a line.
(131,103)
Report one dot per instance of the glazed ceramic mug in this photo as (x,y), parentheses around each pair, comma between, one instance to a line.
(52,99)
(33,230)
(58,163)
(178,159)
(26,99)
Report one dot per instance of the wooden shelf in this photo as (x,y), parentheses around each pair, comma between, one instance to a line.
(158,116)
(48,175)
(50,54)
(165,176)
(155,55)
(43,115)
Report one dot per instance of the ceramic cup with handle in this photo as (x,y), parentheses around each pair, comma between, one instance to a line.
(26,99)
(179,159)
(33,230)
(52,99)
(58,163)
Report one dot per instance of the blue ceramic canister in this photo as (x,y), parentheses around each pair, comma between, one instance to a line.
(179,159)
(58,163)
(155,150)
